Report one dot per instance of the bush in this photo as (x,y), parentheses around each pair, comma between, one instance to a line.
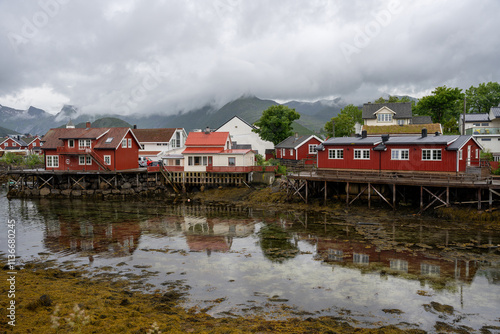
(12,158)
(33,159)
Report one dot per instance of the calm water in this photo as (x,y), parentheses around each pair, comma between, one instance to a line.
(370,267)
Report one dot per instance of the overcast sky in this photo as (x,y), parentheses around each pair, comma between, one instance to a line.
(131,56)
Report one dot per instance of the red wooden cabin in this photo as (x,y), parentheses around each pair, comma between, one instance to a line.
(434,153)
(90,149)
(298,148)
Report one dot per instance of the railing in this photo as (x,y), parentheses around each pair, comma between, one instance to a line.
(482,131)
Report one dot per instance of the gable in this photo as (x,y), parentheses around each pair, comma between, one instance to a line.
(384,110)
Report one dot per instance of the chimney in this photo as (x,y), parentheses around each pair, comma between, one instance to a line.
(424,132)
(437,133)
(385,138)
(364,134)
(87,125)
(207,130)
(135,126)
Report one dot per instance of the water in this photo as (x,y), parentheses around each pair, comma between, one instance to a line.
(370,267)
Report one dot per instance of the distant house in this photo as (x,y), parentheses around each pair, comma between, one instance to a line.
(242,134)
(389,153)
(156,143)
(17,143)
(90,149)
(383,114)
(211,152)
(485,128)
(298,148)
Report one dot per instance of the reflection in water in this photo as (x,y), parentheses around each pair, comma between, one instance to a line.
(289,263)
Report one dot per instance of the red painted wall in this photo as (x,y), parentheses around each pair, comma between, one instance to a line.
(303,152)
(382,160)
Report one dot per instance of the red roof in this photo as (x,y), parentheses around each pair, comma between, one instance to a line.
(207,139)
(205,150)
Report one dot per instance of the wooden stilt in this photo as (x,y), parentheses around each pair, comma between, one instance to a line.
(479,198)
(369,195)
(326,192)
(394,196)
(347,194)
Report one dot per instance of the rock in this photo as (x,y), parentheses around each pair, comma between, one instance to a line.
(126,185)
(44,192)
(76,193)
(66,192)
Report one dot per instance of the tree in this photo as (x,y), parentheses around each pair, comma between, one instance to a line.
(344,122)
(275,124)
(444,104)
(481,98)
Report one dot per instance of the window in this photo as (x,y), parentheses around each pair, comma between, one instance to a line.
(460,154)
(291,151)
(124,143)
(71,143)
(431,154)
(197,161)
(177,139)
(89,160)
(335,255)
(399,265)
(130,142)
(429,269)
(53,161)
(107,159)
(83,143)
(282,152)
(403,154)
(384,117)
(477,153)
(401,122)
(190,161)
(485,124)
(362,154)
(204,161)
(109,140)
(485,139)
(81,160)
(312,148)
(14,143)
(231,161)
(477,124)
(360,258)
(335,154)
(177,162)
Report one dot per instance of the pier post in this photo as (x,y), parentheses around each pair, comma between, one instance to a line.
(421,198)
(394,196)
(347,194)
(307,187)
(369,195)
(326,193)
(479,198)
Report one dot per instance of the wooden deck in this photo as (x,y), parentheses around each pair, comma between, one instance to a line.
(432,188)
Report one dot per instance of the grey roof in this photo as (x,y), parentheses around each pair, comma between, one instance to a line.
(292,142)
(495,111)
(402,109)
(476,117)
(421,120)
(457,144)
(352,141)
(431,139)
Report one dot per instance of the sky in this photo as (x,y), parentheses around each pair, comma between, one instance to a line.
(169,56)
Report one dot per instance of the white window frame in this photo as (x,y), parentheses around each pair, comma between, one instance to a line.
(130,143)
(88,160)
(14,144)
(282,152)
(291,151)
(431,154)
(107,160)
(124,143)
(229,161)
(335,153)
(312,148)
(460,154)
(190,161)
(477,153)
(84,143)
(81,160)
(362,154)
(384,118)
(52,161)
(400,154)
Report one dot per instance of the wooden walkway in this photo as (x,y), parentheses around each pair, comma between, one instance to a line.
(433,188)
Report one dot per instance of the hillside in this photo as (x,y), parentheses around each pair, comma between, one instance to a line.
(106,122)
(4,132)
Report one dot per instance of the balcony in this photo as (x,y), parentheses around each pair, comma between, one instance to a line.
(482,131)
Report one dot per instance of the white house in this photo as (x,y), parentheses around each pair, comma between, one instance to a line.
(485,128)
(156,143)
(241,134)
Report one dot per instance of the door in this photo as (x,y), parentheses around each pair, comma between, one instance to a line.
(209,161)
(468,154)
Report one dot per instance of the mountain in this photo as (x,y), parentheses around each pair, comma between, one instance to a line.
(105,122)
(36,121)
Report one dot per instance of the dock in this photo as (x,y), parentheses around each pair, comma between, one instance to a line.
(432,189)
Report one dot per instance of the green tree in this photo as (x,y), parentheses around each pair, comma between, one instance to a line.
(343,124)
(443,104)
(275,124)
(395,99)
(481,98)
